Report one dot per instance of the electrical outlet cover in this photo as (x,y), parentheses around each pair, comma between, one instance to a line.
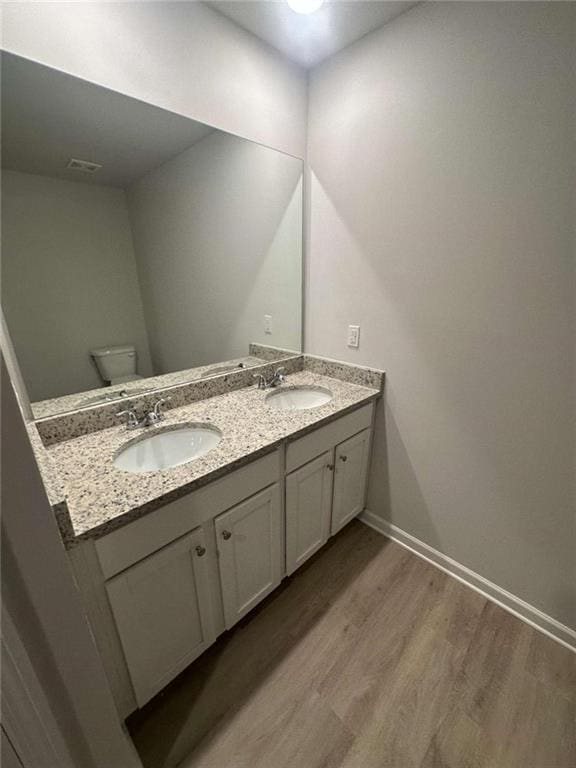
(354,336)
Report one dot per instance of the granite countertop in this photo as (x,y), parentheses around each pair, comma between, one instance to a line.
(101,498)
(53,485)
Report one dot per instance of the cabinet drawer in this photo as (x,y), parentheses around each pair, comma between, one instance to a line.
(306,448)
(136,540)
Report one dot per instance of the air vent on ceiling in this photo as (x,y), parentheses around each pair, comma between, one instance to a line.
(83,165)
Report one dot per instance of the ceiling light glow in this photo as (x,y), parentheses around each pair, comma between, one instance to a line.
(305,6)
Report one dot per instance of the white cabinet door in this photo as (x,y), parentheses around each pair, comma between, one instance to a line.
(249,545)
(162,610)
(351,468)
(308,508)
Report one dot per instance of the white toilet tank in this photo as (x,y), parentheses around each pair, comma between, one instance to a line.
(116,364)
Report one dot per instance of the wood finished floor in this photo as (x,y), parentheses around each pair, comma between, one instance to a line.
(368,657)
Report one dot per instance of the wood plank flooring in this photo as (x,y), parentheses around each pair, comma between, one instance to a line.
(368,657)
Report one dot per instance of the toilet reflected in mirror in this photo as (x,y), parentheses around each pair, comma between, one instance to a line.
(116,365)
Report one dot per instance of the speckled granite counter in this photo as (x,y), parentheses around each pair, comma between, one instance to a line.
(100,498)
(55,489)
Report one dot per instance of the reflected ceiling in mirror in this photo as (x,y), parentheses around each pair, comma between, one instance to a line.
(140,248)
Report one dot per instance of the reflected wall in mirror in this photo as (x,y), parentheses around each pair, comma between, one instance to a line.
(137,243)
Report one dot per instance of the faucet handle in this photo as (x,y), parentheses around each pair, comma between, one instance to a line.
(131,418)
(260,379)
(279,375)
(157,405)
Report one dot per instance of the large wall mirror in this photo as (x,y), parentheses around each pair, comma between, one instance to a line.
(139,248)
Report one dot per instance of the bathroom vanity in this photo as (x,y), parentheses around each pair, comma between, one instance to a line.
(180,576)
(168,559)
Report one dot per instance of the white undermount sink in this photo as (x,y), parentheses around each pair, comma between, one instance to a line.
(298,398)
(167,448)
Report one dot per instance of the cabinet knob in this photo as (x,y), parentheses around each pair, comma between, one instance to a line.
(330,467)
(226,535)
(343,458)
(200,550)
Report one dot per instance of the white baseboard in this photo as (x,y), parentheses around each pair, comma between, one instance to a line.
(523,610)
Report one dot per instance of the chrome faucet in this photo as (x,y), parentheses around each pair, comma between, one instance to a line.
(149,419)
(132,420)
(156,414)
(278,377)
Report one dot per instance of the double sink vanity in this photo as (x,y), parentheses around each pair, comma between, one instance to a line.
(177,529)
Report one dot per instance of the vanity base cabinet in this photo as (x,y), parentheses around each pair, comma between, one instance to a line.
(249,538)
(350,473)
(161,607)
(160,590)
(308,509)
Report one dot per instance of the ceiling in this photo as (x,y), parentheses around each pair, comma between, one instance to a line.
(309,39)
(49,117)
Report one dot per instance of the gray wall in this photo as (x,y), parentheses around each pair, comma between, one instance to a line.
(218,234)
(69,279)
(442,157)
(182,56)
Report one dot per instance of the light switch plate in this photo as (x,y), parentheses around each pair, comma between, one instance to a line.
(267,323)
(354,336)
